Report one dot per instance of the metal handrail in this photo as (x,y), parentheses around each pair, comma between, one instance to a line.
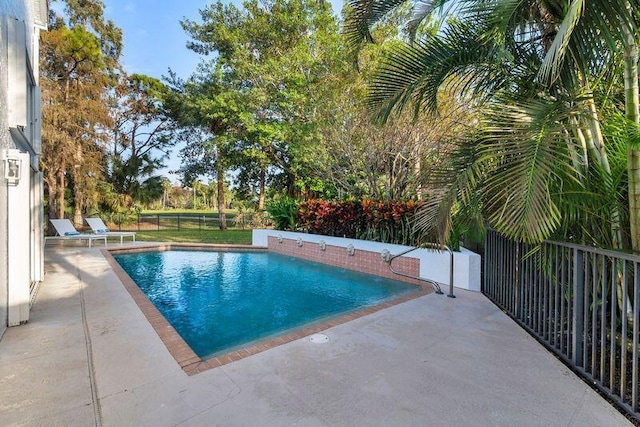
(435,284)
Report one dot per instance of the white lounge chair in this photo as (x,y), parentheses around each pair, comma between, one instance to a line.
(98,227)
(66,231)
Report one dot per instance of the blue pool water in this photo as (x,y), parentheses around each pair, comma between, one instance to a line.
(221,300)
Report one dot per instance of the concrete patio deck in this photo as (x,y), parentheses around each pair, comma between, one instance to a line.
(89,357)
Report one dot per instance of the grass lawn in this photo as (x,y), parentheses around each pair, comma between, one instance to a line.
(229,237)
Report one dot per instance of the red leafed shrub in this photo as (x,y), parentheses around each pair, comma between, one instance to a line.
(384,221)
(342,219)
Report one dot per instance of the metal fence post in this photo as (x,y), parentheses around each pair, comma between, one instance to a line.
(487,283)
(578,308)
(517,310)
(636,329)
(158,222)
(178,222)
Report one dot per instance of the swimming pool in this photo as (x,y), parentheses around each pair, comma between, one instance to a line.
(220,301)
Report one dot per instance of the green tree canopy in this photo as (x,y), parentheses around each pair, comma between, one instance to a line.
(143,132)
(259,95)
(80,55)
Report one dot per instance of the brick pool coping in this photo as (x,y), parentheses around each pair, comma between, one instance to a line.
(188,360)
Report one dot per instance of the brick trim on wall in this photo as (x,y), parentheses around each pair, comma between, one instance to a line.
(363,261)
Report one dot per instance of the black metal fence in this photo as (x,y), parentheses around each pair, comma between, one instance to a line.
(159,222)
(582,302)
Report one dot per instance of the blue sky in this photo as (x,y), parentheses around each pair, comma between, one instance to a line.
(154,41)
(153,38)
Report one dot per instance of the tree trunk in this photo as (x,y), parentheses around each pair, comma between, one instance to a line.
(632,102)
(220,173)
(223,218)
(77,212)
(78,187)
(60,195)
(577,160)
(291,188)
(263,178)
(595,143)
(51,197)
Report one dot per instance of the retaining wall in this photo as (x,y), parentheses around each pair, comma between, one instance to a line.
(424,263)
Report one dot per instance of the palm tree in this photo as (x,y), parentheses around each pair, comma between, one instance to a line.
(533,67)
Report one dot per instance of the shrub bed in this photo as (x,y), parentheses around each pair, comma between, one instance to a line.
(382,221)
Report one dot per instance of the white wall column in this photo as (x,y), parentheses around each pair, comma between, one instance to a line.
(37,225)
(19,243)
(4,287)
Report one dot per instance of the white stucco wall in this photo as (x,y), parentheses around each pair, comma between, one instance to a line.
(18,246)
(434,265)
(5,139)
(16,8)
(21,10)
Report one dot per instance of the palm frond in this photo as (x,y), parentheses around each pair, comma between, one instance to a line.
(415,72)
(361,17)
(597,36)
(421,10)
(452,188)
(525,151)
(554,57)
(571,37)
(504,17)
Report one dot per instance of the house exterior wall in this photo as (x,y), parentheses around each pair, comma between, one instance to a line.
(21,249)
(5,139)
(16,8)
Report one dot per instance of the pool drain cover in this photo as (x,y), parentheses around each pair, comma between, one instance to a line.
(319,338)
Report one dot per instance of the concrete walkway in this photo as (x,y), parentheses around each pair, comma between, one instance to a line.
(89,357)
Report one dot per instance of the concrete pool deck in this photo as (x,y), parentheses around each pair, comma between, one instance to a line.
(88,356)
